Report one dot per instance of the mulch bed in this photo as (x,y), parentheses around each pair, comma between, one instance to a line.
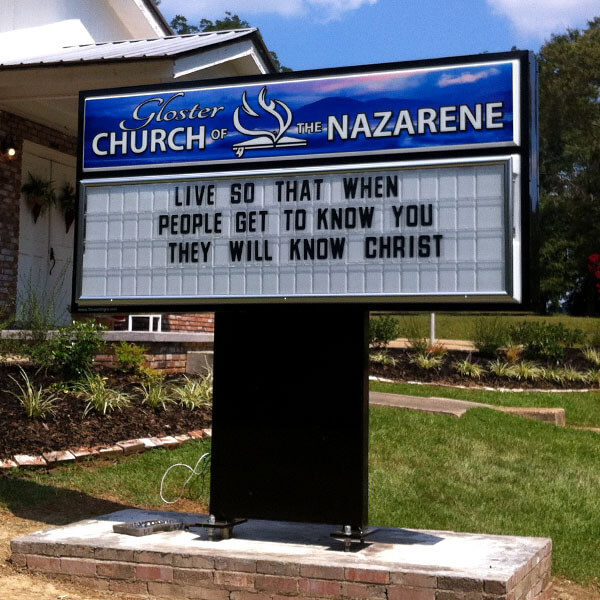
(404,370)
(69,428)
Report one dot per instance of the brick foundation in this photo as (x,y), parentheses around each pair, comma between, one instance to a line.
(19,129)
(180,565)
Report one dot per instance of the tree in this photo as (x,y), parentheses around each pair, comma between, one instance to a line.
(180,25)
(570,166)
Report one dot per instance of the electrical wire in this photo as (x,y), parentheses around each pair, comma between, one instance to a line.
(199,470)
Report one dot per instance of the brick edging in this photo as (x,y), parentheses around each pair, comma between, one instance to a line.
(122,448)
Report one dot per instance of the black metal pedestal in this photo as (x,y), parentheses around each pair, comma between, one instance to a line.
(290,415)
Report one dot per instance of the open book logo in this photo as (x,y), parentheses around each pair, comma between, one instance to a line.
(264,138)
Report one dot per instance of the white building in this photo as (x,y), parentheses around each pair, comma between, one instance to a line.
(50,50)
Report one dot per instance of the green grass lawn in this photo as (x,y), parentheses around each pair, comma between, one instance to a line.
(459,326)
(581,408)
(486,472)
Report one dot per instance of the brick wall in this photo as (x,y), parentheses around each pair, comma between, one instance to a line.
(169,358)
(19,129)
(193,322)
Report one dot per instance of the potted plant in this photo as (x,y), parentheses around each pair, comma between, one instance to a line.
(66,202)
(39,193)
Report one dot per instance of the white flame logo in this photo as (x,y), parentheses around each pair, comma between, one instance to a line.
(264,138)
(270,108)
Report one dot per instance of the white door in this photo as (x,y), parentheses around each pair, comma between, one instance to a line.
(45,247)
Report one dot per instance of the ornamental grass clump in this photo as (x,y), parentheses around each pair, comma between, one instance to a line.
(466,368)
(37,402)
(427,361)
(526,371)
(500,368)
(592,355)
(489,335)
(193,393)
(156,394)
(99,397)
(382,358)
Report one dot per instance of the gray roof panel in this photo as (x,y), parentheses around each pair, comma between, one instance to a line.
(132,49)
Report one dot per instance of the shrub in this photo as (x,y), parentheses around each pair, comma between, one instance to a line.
(545,340)
(382,330)
(489,335)
(99,397)
(130,357)
(437,350)
(37,403)
(427,361)
(513,354)
(466,368)
(193,393)
(416,333)
(72,350)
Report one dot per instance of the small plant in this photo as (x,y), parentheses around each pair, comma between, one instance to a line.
(381,358)
(572,375)
(593,376)
(545,340)
(73,349)
(466,368)
(513,354)
(39,193)
(156,394)
(37,403)
(193,393)
(489,335)
(553,375)
(382,330)
(592,354)
(416,335)
(99,397)
(500,368)
(66,202)
(427,361)
(526,371)
(130,357)
(437,350)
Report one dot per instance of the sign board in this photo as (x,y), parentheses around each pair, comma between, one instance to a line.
(381,185)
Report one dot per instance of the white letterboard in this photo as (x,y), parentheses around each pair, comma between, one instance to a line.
(440,230)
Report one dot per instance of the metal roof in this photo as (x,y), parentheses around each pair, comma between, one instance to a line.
(132,49)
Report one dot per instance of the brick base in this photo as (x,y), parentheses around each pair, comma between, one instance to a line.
(186,567)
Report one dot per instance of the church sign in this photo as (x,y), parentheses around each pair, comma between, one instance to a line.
(383,184)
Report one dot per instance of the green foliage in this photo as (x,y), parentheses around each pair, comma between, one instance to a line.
(194,392)
(466,368)
(130,357)
(593,355)
(100,398)
(156,394)
(489,335)
(382,330)
(545,340)
(427,361)
(526,371)
(37,402)
(72,350)
(500,368)
(569,166)
(381,358)
(416,334)
(180,25)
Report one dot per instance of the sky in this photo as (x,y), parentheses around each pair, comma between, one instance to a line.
(314,34)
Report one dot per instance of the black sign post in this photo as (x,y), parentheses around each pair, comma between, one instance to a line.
(290,415)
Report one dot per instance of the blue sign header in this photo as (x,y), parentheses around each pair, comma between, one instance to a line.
(436,108)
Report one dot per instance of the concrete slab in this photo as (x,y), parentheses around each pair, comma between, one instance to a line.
(306,561)
(442,406)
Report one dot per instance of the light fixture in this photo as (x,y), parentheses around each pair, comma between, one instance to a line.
(8,148)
